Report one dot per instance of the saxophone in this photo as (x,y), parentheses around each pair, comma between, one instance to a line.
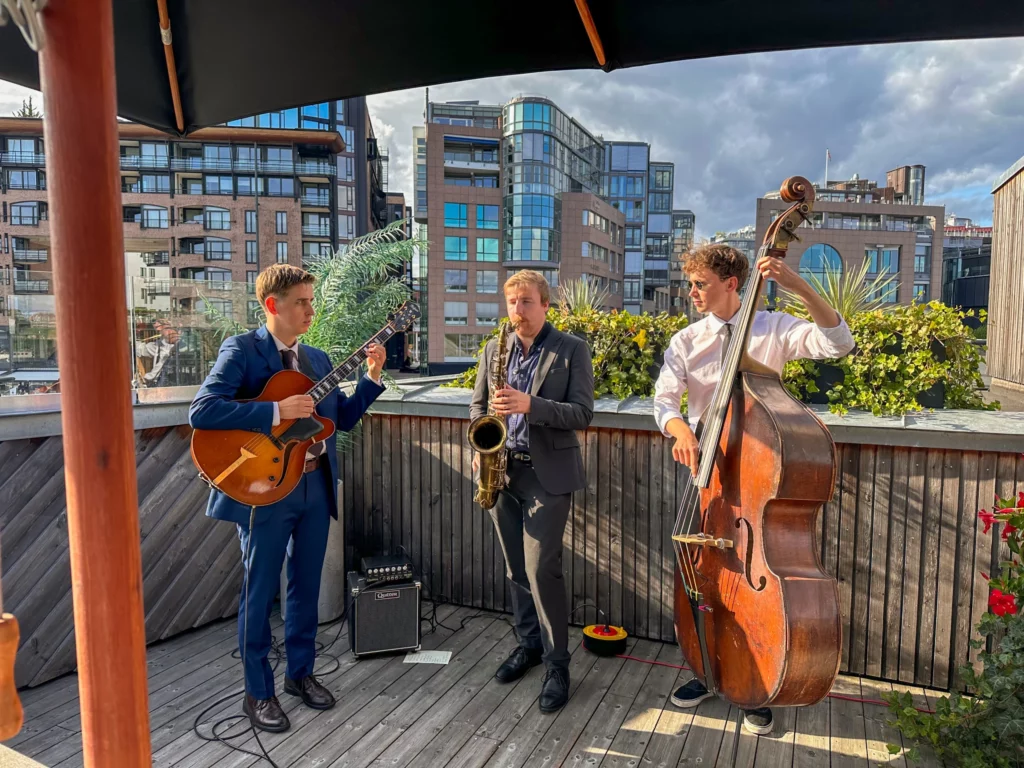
(488,434)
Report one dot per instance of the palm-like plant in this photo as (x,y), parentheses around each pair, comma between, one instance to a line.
(357,288)
(848,293)
(578,296)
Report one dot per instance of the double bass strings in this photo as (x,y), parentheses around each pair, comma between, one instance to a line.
(689,507)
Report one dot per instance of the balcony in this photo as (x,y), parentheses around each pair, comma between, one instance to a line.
(316,230)
(139,162)
(39,185)
(22,158)
(21,220)
(320,201)
(156,259)
(22,285)
(316,168)
(35,256)
(200,164)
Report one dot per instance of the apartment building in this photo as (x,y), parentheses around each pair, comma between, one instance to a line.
(524,185)
(683,224)
(857,220)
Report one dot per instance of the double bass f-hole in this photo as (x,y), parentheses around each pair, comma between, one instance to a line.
(748,557)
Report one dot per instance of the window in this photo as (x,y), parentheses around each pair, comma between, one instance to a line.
(922,259)
(456,248)
(660,201)
(346,168)
(888,295)
(152,182)
(487,281)
(634,237)
(250,222)
(632,290)
(26,180)
(883,259)
(487,249)
(218,185)
(659,223)
(154,217)
(346,198)
(455,214)
(815,260)
(634,262)
(244,185)
(250,252)
(188,186)
(25,214)
(661,179)
(462,347)
(487,217)
(456,280)
(282,253)
(456,313)
(346,227)
(921,292)
(277,187)
(217,218)
(218,249)
(487,313)
(281,222)
(250,279)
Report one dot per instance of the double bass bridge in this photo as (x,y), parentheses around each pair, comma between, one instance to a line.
(703,540)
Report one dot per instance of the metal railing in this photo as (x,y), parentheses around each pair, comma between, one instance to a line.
(141,162)
(316,230)
(23,158)
(31,286)
(36,255)
(18,220)
(318,200)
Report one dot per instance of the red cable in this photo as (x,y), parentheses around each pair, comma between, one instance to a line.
(831,695)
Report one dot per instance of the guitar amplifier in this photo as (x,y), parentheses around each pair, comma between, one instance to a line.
(383,618)
(386,568)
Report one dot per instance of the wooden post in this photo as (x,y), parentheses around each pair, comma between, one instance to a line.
(77,73)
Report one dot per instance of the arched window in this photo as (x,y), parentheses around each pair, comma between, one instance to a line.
(815,260)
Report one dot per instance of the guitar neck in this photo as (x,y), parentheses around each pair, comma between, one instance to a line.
(343,371)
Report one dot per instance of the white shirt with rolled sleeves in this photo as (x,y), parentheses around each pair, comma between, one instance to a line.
(693,357)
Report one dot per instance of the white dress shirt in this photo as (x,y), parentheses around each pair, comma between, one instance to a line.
(693,359)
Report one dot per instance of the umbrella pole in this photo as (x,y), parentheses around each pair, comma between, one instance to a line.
(77,74)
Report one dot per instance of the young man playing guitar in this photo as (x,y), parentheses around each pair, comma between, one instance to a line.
(299,523)
(693,364)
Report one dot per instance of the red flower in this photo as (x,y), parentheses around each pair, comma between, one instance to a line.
(987,518)
(1002,604)
(1007,531)
(1020,499)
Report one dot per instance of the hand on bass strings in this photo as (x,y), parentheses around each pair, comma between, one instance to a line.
(685,450)
(295,407)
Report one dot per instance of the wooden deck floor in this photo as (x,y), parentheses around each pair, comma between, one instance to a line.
(392,715)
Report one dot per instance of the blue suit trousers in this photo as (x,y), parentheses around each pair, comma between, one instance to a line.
(297,526)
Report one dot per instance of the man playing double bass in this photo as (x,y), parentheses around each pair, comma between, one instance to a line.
(694,361)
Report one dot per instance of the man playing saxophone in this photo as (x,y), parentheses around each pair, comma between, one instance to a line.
(548,396)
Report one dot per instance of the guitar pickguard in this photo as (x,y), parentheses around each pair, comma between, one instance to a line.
(302,429)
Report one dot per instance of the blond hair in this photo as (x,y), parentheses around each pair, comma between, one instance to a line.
(278,279)
(530,277)
(724,260)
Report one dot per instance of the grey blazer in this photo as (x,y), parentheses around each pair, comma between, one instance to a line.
(562,402)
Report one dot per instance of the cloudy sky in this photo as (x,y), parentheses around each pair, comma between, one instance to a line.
(736,127)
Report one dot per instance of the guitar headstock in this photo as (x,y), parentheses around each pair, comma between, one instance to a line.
(405,316)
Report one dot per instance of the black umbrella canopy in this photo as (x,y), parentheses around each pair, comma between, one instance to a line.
(241,57)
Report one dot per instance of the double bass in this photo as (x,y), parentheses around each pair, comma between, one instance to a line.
(756,615)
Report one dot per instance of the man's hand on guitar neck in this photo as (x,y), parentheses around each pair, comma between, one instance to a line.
(295,407)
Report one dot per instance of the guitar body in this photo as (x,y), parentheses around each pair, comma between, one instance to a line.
(255,469)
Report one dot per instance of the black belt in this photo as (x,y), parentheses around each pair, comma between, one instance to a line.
(521,456)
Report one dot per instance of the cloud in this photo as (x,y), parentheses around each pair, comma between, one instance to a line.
(736,126)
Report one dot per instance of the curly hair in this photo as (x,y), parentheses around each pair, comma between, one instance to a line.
(724,260)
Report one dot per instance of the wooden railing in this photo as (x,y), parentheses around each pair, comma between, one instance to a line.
(901,534)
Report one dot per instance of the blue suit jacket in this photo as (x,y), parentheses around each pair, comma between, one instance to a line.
(244,366)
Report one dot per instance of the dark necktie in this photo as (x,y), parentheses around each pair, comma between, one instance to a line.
(725,342)
(288,357)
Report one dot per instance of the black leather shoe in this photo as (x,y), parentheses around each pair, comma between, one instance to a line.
(518,663)
(555,690)
(266,714)
(313,694)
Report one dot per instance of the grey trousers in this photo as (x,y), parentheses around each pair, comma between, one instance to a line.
(530,523)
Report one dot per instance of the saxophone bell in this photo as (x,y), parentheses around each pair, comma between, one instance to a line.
(488,434)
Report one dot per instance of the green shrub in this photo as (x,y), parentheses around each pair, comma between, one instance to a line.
(627,349)
(894,362)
